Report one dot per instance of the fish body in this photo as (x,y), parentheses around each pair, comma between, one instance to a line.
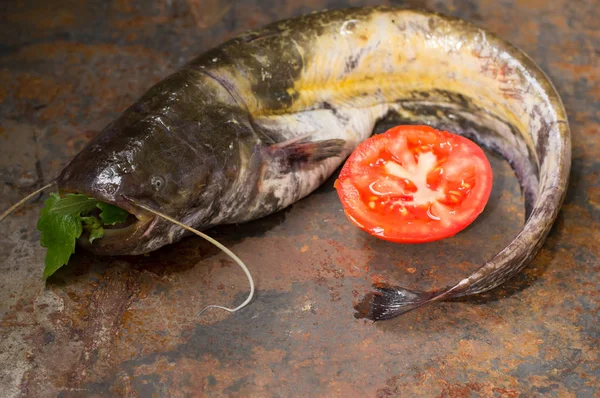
(257,123)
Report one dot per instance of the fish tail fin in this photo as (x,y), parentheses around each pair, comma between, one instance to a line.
(387,302)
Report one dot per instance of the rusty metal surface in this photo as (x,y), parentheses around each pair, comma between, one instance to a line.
(129,326)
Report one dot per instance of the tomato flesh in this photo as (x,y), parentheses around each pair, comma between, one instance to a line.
(415,184)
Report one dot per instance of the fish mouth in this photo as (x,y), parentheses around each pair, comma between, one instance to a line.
(125,238)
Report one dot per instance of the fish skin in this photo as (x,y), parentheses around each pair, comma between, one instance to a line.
(259,122)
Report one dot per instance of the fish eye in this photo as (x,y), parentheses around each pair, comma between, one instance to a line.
(157,183)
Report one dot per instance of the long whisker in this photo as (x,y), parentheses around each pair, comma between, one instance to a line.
(25,199)
(217,244)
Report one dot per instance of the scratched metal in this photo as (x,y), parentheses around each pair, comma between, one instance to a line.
(129,326)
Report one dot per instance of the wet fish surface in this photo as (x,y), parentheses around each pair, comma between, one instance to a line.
(259,122)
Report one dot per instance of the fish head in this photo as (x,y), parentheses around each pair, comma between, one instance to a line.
(151,162)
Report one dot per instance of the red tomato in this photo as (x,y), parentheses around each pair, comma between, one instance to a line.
(415,184)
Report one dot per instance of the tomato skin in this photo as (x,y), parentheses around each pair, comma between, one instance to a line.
(415,184)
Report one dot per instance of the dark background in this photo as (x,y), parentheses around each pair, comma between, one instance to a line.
(129,326)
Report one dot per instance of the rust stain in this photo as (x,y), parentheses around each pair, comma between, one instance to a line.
(206,13)
(466,390)
(33,87)
(38,18)
(61,48)
(107,304)
(138,22)
(123,6)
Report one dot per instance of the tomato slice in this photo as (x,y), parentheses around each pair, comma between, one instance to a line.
(415,184)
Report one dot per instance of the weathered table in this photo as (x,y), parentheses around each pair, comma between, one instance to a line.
(129,326)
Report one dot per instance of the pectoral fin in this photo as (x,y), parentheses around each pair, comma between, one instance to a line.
(299,151)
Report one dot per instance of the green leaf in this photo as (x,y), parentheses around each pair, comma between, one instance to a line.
(90,222)
(96,233)
(74,204)
(61,224)
(94,227)
(59,232)
(112,214)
